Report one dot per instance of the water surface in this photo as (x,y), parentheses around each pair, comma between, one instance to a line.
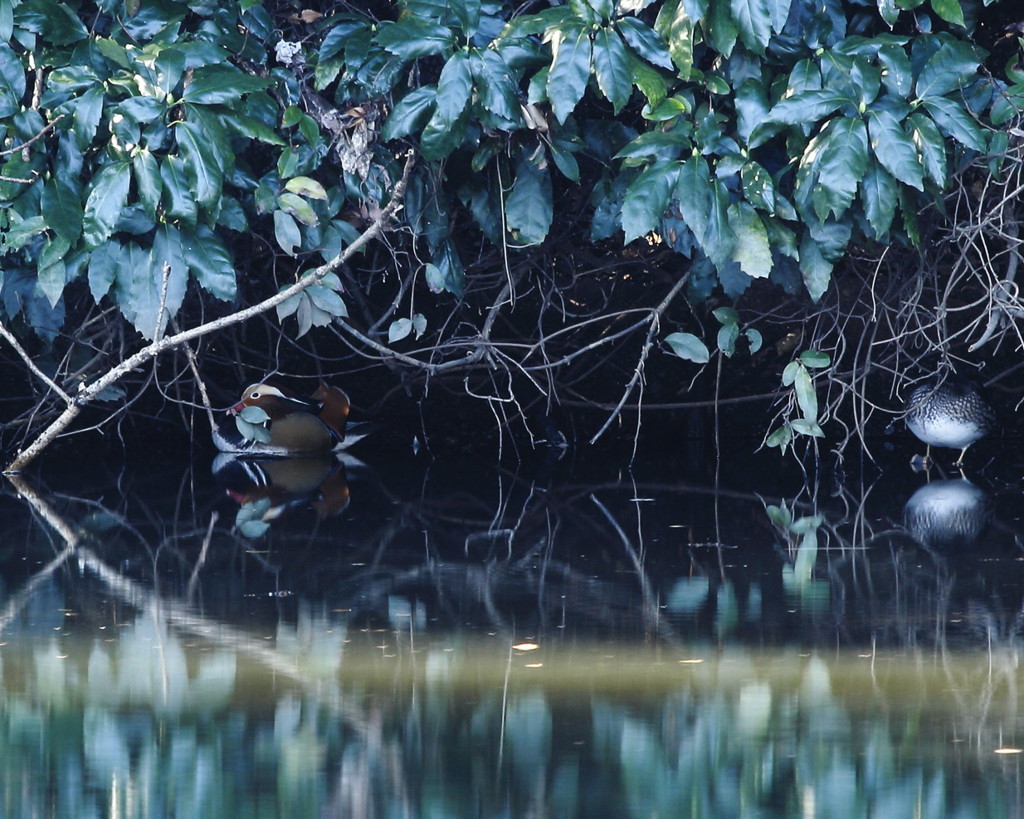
(431,635)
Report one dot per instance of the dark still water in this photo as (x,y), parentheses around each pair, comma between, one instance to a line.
(417,635)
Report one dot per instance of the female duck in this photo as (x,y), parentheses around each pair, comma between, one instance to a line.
(950,413)
(291,426)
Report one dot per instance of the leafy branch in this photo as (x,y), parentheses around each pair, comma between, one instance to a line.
(89,392)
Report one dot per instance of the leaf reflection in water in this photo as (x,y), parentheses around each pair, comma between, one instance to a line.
(503,677)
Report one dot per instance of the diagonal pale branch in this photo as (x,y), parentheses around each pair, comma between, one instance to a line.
(87,393)
(638,372)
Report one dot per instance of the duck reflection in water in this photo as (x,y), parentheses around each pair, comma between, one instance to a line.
(269,489)
(947,514)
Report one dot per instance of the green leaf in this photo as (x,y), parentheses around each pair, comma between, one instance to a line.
(410,113)
(209,261)
(815,359)
(789,373)
(564,160)
(952,117)
(758,187)
(254,415)
(815,268)
(168,250)
(727,335)
(327,300)
(339,33)
(664,144)
(51,272)
(61,206)
(12,82)
(897,72)
(806,396)
(726,315)
(842,164)
(693,192)
(889,11)
(56,21)
(781,438)
(820,247)
(719,240)
(454,89)
(778,13)
(528,208)
(753,22)
(570,69)
(645,41)
(148,186)
(754,339)
(676,27)
(806,426)
(720,29)
(141,110)
(780,516)
(752,251)
(297,207)
(688,347)
(495,89)
(177,195)
(602,8)
(108,193)
(950,68)
(894,149)
(411,38)
(438,139)
(103,269)
(930,146)
(217,84)
(138,286)
(6,19)
(304,186)
(419,324)
(201,169)
(399,329)
(806,106)
(289,306)
(879,194)
(950,11)
(286,231)
(446,273)
(647,199)
(751,109)
(611,67)
(251,128)
(88,109)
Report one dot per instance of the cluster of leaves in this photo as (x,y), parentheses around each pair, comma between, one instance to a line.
(757,139)
(802,414)
(158,150)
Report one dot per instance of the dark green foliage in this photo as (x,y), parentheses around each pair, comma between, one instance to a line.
(754,137)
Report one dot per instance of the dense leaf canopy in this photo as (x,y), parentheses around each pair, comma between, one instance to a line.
(167,156)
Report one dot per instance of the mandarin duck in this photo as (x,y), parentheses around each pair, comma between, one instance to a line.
(288,425)
(950,413)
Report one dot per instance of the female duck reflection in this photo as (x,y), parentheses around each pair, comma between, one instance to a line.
(948,513)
